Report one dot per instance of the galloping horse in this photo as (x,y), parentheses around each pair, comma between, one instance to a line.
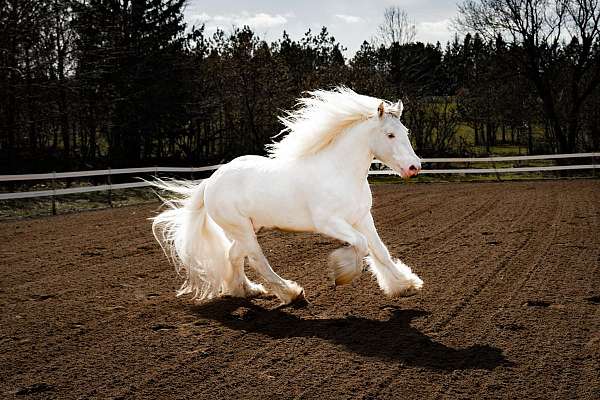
(314,180)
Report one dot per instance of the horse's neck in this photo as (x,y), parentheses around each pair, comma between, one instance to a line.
(349,155)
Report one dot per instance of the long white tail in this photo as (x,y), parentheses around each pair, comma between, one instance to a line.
(192,240)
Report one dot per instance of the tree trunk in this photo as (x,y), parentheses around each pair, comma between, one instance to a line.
(62,95)
(64,121)
(573,130)
(11,109)
(529,138)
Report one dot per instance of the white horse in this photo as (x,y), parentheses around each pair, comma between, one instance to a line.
(315,180)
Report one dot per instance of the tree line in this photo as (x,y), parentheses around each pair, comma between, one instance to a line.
(97,83)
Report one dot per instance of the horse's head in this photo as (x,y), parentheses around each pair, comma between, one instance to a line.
(389,142)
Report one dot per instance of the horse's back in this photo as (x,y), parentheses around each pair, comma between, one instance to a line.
(241,169)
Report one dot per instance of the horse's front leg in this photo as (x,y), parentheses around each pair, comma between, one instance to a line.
(345,263)
(393,276)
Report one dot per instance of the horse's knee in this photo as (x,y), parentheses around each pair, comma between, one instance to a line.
(258,262)
(361,246)
(236,254)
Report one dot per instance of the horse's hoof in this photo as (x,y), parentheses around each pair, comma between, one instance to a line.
(289,293)
(299,301)
(344,265)
(255,290)
(408,292)
(413,289)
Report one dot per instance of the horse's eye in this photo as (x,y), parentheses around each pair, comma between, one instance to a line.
(391,135)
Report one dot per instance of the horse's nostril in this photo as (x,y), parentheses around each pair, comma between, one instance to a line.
(412,168)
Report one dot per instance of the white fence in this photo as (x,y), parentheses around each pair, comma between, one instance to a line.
(495,170)
(156,170)
(53,176)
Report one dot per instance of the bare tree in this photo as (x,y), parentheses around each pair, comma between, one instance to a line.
(560,40)
(396,27)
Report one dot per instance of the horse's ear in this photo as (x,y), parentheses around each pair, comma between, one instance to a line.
(399,108)
(380,110)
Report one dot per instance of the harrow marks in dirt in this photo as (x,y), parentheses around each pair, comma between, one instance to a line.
(510,306)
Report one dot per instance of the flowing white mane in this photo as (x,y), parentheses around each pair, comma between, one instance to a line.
(321,117)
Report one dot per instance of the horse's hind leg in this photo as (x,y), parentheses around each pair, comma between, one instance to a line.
(287,291)
(236,282)
(241,231)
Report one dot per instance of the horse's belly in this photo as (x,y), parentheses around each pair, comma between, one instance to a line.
(280,215)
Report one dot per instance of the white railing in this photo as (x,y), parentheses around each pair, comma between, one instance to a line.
(155,170)
(495,170)
(53,176)
(100,172)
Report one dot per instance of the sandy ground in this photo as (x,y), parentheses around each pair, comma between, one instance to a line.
(510,307)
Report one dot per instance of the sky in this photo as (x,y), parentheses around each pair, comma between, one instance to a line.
(350,22)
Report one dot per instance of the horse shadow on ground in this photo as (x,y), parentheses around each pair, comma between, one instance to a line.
(391,340)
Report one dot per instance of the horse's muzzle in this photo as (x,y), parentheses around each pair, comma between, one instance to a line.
(413,170)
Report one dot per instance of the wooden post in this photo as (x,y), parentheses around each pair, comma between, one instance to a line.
(109,189)
(53,192)
(496,171)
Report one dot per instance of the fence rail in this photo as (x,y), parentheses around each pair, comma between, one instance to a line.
(53,176)
(101,172)
(492,170)
(512,158)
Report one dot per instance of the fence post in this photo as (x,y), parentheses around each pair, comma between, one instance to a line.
(53,192)
(496,171)
(110,204)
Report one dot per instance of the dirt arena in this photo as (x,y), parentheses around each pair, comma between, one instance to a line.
(510,307)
